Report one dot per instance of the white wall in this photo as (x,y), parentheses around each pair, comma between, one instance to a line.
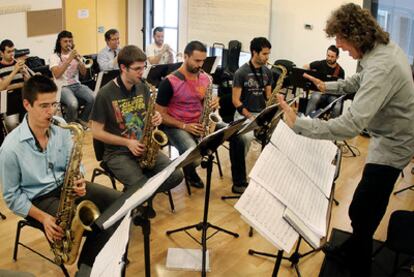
(135,22)
(13,26)
(291,41)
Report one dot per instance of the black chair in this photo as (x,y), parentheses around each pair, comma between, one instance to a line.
(98,147)
(30,222)
(400,238)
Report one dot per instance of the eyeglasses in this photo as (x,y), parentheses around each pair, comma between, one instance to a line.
(138,68)
(46,106)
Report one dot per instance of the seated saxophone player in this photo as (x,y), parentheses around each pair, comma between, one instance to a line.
(33,162)
(181,99)
(117,119)
(65,64)
(252,86)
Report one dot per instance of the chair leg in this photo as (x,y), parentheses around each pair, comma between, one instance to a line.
(171,201)
(20,225)
(187,184)
(219,165)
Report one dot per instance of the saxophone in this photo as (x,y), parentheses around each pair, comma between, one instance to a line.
(152,138)
(72,218)
(209,118)
(264,133)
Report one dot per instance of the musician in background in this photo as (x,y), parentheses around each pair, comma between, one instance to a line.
(252,86)
(66,65)
(33,161)
(117,119)
(159,52)
(330,68)
(12,71)
(180,102)
(384,104)
(107,57)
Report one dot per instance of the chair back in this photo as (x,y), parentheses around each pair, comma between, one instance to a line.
(99,148)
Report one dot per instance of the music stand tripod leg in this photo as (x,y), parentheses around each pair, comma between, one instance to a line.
(404,189)
(204,225)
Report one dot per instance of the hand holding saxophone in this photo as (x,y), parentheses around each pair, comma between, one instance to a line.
(136,147)
(79,186)
(194,128)
(53,231)
(156,119)
(289,114)
(215,103)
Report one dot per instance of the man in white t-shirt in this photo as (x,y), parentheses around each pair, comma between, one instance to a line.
(65,66)
(159,52)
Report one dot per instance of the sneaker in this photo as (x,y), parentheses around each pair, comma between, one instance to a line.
(238,189)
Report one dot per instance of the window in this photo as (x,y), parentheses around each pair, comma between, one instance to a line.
(166,16)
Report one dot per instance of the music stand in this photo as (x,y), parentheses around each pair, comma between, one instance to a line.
(105,77)
(296,255)
(210,64)
(205,149)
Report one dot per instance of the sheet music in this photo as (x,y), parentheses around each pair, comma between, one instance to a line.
(313,156)
(313,239)
(3,101)
(275,172)
(264,213)
(147,190)
(109,260)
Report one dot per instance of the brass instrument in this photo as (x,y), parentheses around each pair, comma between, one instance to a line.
(265,133)
(28,69)
(72,218)
(85,61)
(273,98)
(152,138)
(209,118)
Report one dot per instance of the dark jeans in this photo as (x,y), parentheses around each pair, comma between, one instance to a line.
(127,171)
(103,197)
(367,208)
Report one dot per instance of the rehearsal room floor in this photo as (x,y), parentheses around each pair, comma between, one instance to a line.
(228,255)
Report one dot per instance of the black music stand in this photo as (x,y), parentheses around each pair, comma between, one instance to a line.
(296,255)
(105,77)
(158,72)
(205,149)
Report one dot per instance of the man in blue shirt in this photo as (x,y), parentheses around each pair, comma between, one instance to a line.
(108,56)
(33,161)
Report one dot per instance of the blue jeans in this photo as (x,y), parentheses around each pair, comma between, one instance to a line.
(183,140)
(319,100)
(70,97)
(130,174)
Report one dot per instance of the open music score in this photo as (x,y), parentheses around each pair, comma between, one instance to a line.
(289,189)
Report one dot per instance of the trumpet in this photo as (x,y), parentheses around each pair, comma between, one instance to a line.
(25,67)
(85,61)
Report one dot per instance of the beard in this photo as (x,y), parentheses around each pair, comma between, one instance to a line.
(193,69)
(330,62)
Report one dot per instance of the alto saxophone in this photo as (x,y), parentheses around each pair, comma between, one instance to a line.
(265,133)
(209,118)
(72,218)
(152,138)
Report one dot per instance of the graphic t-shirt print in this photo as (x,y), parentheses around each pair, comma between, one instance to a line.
(130,114)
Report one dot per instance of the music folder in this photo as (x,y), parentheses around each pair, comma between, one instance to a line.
(263,118)
(297,79)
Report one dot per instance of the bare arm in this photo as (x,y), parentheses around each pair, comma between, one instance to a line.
(306,66)
(99,133)
(5,82)
(193,128)
(268,92)
(236,93)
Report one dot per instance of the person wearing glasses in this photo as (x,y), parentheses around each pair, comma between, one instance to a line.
(32,185)
(107,57)
(117,120)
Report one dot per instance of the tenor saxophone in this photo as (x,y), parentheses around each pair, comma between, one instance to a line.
(209,118)
(73,219)
(265,133)
(152,138)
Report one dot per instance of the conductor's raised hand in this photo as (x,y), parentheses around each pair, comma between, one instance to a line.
(317,82)
(289,115)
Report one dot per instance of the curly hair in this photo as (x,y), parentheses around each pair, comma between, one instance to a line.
(357,26)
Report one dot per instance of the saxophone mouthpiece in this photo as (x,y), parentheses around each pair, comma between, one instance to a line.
(55,121)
